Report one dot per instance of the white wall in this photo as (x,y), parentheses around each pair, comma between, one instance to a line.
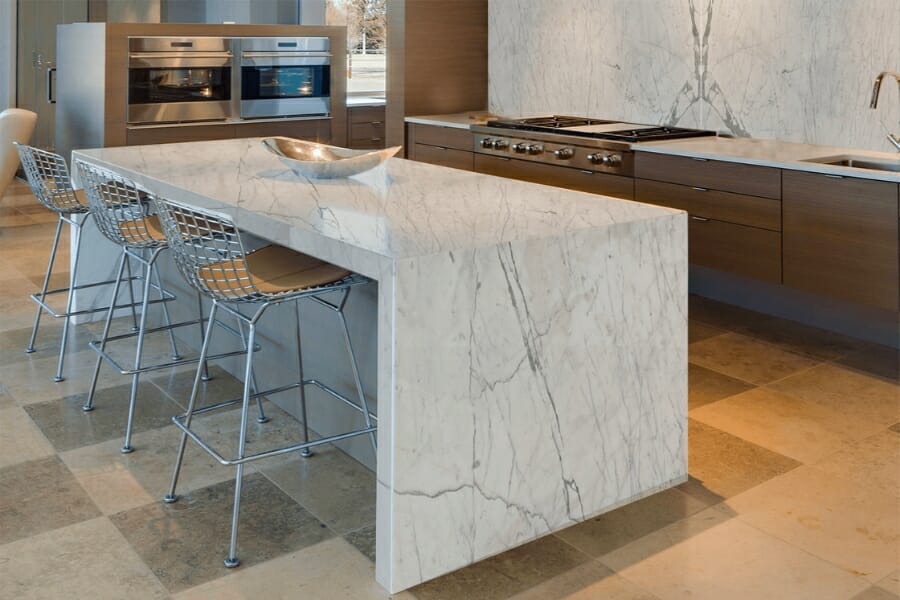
(7,53)
(790,69)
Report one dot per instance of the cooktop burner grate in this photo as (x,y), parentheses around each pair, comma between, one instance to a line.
(565,125)
(542,123)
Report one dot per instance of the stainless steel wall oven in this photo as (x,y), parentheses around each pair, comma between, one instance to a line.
(285,77)
(174,80)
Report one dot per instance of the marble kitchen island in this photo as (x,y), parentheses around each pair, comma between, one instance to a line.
(531,341)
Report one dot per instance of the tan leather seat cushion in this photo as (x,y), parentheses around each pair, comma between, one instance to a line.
(273,269)
(136,231)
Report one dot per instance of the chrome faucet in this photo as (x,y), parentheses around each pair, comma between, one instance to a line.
(876,90)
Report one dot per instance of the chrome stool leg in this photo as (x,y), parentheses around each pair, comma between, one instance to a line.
(165,307)
(305,452)
(206,376)
(73,278)
(139,351)
(262,418)
(355,367)
(37,315)
(232,560)
(89,403)
(134,319)
(204,352)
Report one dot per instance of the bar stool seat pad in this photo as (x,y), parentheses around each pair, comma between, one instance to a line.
(141,231)
(272,270)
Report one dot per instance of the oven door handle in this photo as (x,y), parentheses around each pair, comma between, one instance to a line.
(184,60)
(285,54)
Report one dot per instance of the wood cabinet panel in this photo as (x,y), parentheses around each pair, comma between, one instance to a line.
(366,114)
(737,249)
(740,178)
(446,157)
(573,179)
(137,136)
(753,211)
(317,130)
(841,238)
(446,137)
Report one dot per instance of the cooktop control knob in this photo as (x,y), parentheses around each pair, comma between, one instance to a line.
(520,147)
(535,149)
(595,159)
(564,153)
(501,144)
(487,143)
(612,160)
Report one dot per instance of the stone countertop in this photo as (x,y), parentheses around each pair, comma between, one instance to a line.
(399,210)
(772,153)
(459,120)
(365,101)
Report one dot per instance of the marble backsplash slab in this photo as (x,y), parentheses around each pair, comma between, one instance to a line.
(798,70)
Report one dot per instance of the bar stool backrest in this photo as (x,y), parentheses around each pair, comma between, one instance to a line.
(208,250)
(48,177)
(120,209)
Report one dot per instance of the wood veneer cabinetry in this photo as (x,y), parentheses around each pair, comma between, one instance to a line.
(564,177)
(366,127)
(445,146)
(841,237)
(735,210)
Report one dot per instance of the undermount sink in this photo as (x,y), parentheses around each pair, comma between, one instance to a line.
(858,162)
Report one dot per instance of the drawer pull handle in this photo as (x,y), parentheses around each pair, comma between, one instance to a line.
(586,171)
(700,159)
(701,219)
(700,189)
(833,176)
(376,122)
(375,140)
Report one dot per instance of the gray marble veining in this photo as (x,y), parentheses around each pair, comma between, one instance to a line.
(797,70)
(531,341)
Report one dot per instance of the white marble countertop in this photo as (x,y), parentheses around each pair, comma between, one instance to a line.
(365,101)
(400,209)
(458,120)
(772,153)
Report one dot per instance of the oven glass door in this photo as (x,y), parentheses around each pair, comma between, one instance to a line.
(172,94)
(284,82)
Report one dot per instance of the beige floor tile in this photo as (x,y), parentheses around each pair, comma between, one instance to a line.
(590,581)
(791,426)
(87,560)
(706,386)
(875,593)
(846,391)
(6,399)
(747,359)
(853,526)
(714,556)
(603,534)
(20,439)
(802,339)
(330,570)
(506,574)
(891,583)
(873,461)
(722,465)
(32,382)
(698,330)
(118,482)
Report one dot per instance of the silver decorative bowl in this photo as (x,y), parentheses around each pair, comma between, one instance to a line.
(321,161)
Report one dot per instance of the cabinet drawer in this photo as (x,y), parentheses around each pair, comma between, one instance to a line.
(447,157)
(840,238)
(446,137)
(565,177)
(752,180)
(367,135)
(138,136)
(753,211)
(317,130)
(366,114)
(747,251)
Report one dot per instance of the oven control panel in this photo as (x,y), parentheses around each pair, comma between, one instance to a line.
(588,158)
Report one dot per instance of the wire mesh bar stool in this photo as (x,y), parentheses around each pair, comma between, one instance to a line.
(48,178)
(210,254)
(122,214)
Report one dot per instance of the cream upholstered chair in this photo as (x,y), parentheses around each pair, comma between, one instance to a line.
(16,125)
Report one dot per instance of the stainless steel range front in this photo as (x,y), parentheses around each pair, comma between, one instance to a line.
(591,145)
